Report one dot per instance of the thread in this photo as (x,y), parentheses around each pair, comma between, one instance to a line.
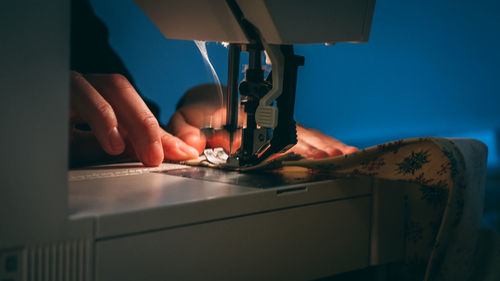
(202,46)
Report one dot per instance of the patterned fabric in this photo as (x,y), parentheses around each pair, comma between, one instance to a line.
(433,209)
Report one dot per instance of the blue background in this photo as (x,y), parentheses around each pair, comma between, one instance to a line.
(429,68)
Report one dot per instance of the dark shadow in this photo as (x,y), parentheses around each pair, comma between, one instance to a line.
(491,214)
(114,165)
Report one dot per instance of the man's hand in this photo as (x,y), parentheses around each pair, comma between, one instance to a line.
(186,123)
(314,144)
(119,121)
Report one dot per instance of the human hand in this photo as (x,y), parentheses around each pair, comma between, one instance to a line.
(312,143)
(186,123)
(120,121)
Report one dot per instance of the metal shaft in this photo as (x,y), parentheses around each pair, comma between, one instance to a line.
(232,101)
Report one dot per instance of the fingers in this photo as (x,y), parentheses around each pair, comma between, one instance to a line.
(349,149)
(176,150)
(331,146)
(309,151)
(97,112)
(314,144)
(121,120)
(187,131)
(133,114)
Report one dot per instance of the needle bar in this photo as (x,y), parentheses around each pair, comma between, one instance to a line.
(232,104)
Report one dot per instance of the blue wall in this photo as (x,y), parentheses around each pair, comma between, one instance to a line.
(430,68)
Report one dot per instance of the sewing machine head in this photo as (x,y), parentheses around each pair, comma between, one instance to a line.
(256,26)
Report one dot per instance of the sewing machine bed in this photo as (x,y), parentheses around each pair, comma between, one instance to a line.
(179,222)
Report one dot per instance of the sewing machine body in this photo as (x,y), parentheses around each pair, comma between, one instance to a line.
(279,21)
(271,26)
(192,223)
(156,224)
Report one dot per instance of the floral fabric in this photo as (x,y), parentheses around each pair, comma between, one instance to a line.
(434,209)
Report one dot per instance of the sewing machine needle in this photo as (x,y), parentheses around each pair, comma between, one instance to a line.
(230,143)
(232,101)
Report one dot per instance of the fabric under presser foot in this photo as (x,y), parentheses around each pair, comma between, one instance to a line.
(435,207)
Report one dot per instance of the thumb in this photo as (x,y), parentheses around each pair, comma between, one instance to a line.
(175,149)
(188,133)
(193,138)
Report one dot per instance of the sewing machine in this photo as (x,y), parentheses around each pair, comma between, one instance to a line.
(254,27)
(174,222)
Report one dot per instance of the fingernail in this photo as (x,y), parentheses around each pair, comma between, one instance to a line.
(116,141)
(155,154)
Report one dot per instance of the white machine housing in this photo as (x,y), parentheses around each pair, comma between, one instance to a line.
(279,21)
(134,223)
(123,223)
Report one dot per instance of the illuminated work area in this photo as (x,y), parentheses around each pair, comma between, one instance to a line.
(201,141)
